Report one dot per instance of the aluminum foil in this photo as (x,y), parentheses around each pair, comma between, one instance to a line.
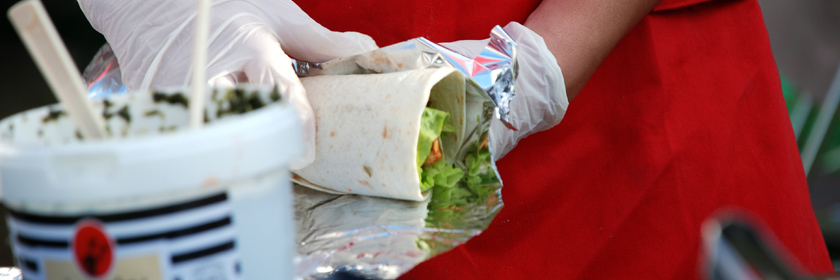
(379,237)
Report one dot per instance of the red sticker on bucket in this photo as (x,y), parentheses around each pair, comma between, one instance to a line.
(93,251)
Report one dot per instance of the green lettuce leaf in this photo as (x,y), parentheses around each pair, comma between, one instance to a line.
(440,175)
(473,187)
(432,124)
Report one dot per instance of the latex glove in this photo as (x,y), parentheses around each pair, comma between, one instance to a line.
(541,99)
(248,42)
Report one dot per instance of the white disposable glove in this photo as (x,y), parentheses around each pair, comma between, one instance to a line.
(248,42)
(541,99)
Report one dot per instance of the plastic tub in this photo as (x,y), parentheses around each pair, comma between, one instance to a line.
(212,203)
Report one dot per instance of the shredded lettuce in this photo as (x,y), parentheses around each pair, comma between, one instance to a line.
(480,174)
(453,186)
(440,175)
(432,124)
(473,187)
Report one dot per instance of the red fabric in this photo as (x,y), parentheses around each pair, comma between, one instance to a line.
(394,21)
(676,4)
(683,119)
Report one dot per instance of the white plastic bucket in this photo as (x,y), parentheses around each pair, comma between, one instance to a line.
(213,203)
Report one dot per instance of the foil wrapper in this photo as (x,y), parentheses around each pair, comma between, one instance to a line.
(376,237)
(384,238)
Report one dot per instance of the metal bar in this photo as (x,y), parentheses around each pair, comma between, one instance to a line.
(815,139)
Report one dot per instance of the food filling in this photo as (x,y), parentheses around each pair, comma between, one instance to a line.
(435,154)
(434,171)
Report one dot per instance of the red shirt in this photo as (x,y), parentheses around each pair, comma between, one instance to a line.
(683,119)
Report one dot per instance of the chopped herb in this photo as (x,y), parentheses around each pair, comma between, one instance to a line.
(53,115)
(255,102)
(275,94)
(220,111)
(123,113)
(240,101)
(173,99)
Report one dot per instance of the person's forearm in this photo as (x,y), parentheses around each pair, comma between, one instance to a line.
(581,33)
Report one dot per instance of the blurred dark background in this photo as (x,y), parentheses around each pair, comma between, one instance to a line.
(805,36)
(24,88)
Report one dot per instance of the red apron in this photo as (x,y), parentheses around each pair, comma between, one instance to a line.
(683,119)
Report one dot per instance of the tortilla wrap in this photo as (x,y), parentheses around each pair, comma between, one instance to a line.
(368,128)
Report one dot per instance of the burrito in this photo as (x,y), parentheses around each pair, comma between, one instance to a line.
(393,135)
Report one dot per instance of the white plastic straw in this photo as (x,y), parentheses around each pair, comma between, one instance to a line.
(199,64)
(41,39)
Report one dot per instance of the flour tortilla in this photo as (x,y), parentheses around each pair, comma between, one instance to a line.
(368,128)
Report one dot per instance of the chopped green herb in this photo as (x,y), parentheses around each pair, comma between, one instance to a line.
(173,99)
(239,101)
(275,94)
(53,115)
(106,104)
(124,114)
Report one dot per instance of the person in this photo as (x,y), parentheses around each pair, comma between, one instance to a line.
(676,114)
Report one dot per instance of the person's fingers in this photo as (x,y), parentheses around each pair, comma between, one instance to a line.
(540,80)
(223,81)
(305,39)
(271,66)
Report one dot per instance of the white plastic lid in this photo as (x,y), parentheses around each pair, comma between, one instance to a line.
(225,151)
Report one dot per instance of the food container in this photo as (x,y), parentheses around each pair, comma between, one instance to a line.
(157,200)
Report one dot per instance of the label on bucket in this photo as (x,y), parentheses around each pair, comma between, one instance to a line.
(191,240)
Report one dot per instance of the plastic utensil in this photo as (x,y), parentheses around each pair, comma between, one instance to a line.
(199,64)
(41,39)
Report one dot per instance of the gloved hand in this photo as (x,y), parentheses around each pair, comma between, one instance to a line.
(248,42)
(541,99)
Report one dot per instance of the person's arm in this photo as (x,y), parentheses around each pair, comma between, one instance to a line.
(581,33)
